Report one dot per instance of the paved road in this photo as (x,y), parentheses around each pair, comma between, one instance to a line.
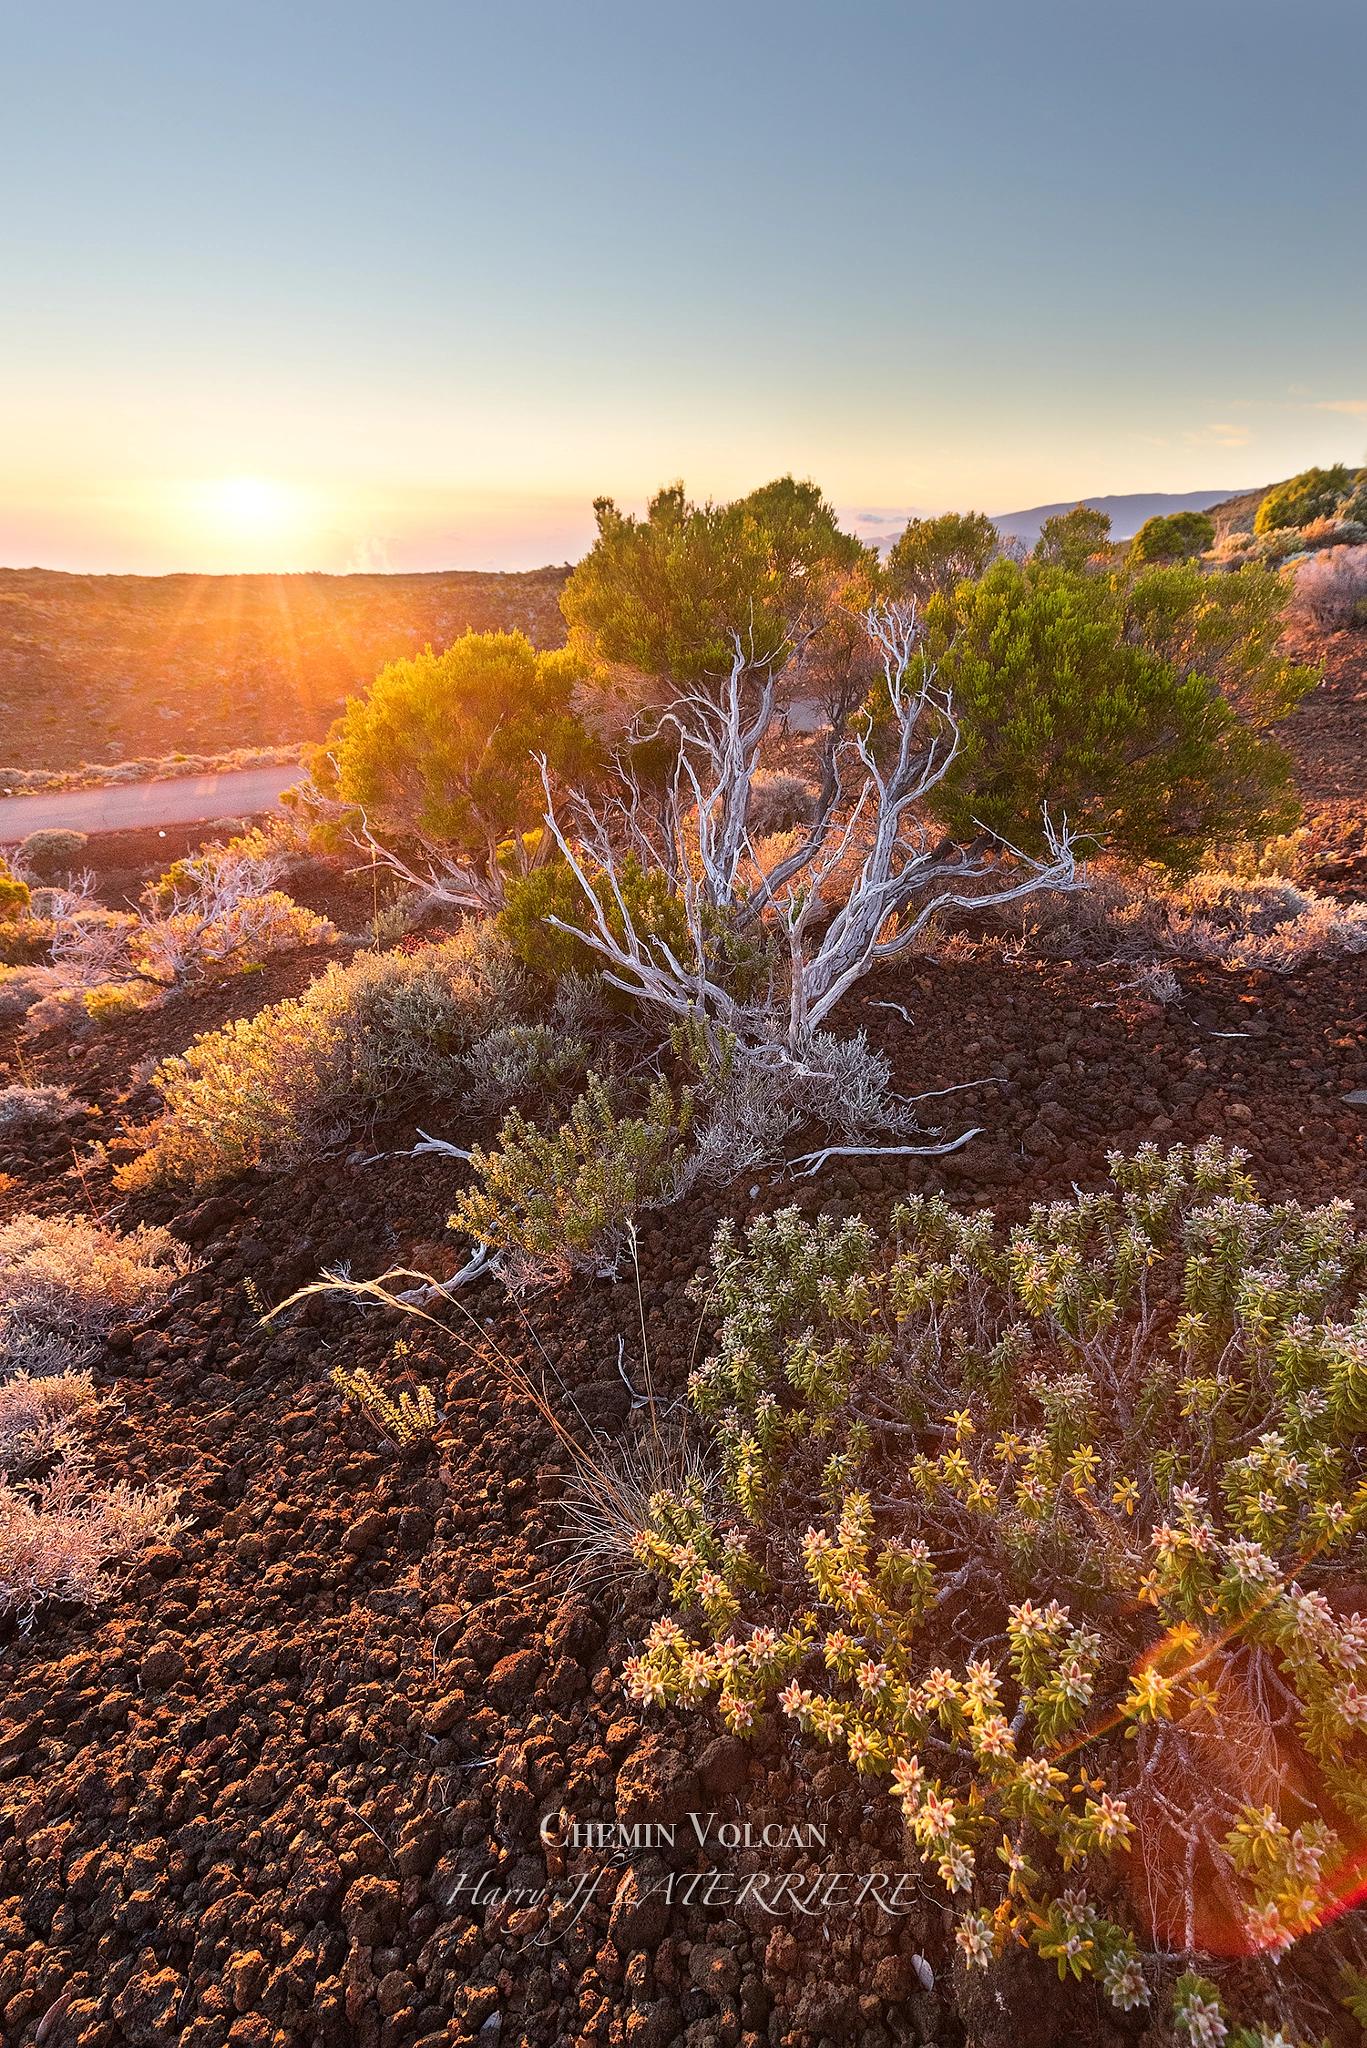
(124,805)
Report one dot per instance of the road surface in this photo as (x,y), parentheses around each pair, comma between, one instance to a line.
(122,806)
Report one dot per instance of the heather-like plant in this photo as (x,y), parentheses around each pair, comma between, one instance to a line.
(284,1085)
(37,1415)
(1331,588)
(59,1537)
(33,1109)
(554,1203)
(1079,1511)
(70,1279)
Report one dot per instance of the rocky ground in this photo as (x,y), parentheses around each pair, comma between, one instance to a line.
(250,1799)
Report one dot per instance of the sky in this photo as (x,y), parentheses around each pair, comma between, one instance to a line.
(343,286)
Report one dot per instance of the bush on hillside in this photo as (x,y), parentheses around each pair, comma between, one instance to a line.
(1331,589)
(668,595)
(1070,539)
(1314,494)
(38,1416)
(1224,630)
(66,1280)
(14,893)
(441,753)
(35,1109)
(1061,711)
(1056,1533)
(935,555)
(287,1084)
(52,851)
(1171,539)
(554,1204)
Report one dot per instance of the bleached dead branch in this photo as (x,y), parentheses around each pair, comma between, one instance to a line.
(699,838)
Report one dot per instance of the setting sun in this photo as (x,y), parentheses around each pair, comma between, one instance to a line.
(251,507)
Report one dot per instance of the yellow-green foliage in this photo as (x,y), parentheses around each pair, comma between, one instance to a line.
(14,894)
(405,1422)
(1129,1437)
(552,1202)
(1170,539)
(110,1002)
(441,748)
(553,891)
(1314,494)
(287,1083)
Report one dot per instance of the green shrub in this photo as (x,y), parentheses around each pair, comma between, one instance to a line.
(668,594)
(938,554)
(14,894)
(1070,539)
(441,748)
(1314,494)
(554,891)
(1062,705)
(284,1085)
(1040,1515)
(1171,539)
(554,1204)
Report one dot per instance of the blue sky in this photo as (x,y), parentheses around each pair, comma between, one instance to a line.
(296,285)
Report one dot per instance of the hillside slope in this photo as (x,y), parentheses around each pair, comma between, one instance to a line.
(95,667)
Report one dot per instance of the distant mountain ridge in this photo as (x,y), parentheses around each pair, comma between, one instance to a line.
(1232,513)
(1128,511)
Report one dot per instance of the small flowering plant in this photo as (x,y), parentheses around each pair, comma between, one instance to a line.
(1119,1455)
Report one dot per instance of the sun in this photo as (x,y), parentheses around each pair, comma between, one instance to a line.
(251,507)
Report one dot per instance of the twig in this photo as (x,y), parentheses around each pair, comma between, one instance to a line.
(819,1159)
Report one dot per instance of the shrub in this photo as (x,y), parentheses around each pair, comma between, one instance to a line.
(1062,705)
(14,893)
(33,1109)
(555,1204)
(1027,1523)
(668,594)
(1223,630)
(1354,506)
(554,892)
(52,850)
(58,1538)
(36,1416)
(22,987)
(1170,539)
(1331,587)
(1314,494)
(778,802)
(70,1279)
(248,865)
(111,1002)
(441,750)
(200,936)
(1070,539)
(1257,918)
(935,555)
(282,1086)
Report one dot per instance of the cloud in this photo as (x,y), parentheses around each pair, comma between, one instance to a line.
(1221,434)
(1358,405)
